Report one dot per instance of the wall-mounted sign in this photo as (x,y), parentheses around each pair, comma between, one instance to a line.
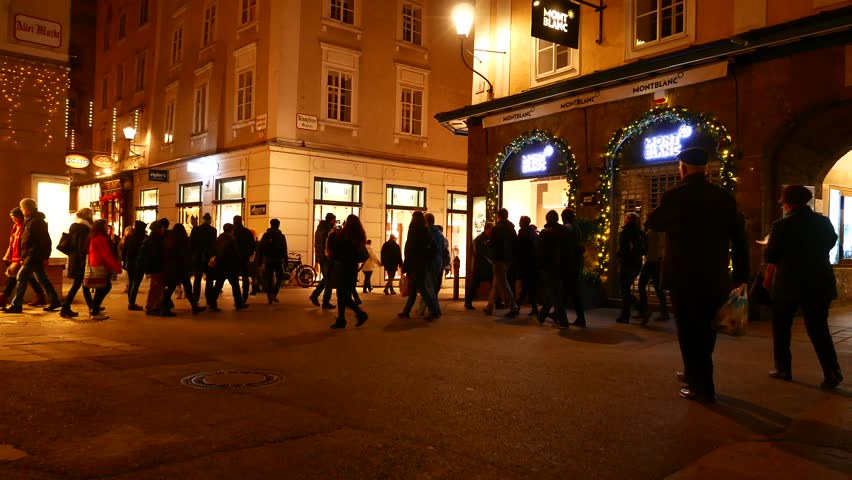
(663,142)
(306,122)
(538,159)
(588,199)
(597,97)
(103,161)
(667,145)
(158,175)
(260,122)
(259,209)
(76,161)
(556,21)
(38,31)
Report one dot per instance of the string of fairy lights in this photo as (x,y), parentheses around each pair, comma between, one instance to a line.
(569,163)
(613,155)
(32,100)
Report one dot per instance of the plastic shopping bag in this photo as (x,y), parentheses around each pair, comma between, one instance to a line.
(732,318)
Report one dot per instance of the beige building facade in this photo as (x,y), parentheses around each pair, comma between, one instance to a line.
(287,109)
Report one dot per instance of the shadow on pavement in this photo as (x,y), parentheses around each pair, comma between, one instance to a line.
(603,336)
(306,338)
(405,324)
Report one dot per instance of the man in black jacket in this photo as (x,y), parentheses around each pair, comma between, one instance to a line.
(202,240)
(502,243)
(320,238)
(558,250)
(246,244)
(272,253)
(391,258)
(705,232)
(129,260)
(482,271)
(79,232)
(35,253)
(526,263)
(799,274)
(632,245)
(227,267)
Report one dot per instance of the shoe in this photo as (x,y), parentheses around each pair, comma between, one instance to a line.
(150,313)
(533,312)
(269,299)
(328,306)
(645,317)
(681,377)
(832,381)
(214,308)
(275,299)
(386,291)
(662,317)
(579,323)
(513,313)
(13,309)
(488,311)
(168,313)
(563,324)
(691,394)
(315,300)
(403,315)
(781,374)
(358,302)
(196,309)
(52,307)
(39,301)
(362,317)
(242,306)
(393,292)
(338,325)
(541,317)
(99,316)
(135,308)
(468,306)
(68,314)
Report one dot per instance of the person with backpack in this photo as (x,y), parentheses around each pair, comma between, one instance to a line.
(78,248)
(272,253)
(227,265)
(632,245)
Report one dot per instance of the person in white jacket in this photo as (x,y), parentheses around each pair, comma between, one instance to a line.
(368,267)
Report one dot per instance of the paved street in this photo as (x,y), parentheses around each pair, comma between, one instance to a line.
(468,396)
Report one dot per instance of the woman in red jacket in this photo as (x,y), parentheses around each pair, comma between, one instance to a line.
(101,255)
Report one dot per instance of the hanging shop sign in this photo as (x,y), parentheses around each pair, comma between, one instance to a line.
(76,161)
(537,159)
(38,30)
(158,176)
(663,82)
(259,209)
(103,161)
(556,21)
(664,141)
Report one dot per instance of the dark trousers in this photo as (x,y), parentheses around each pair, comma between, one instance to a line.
(270,270)
(100,294)
(529,289)
(481,275)
(322,285)
(626,276)
(232,278)
(367,285)
(134,281)
(424,284)
(72,292)
(816,323)
(697,337)
(651,274)
(28,272)
(171,284)
(345,296)
(391,274)
(572,287)
(554,297)
(11,282)
(245,272)
(208,284)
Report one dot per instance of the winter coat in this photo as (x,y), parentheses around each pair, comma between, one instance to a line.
(178,263)
(100,254)
(482,257)
(420,249)
(526,251)
(502,241)
(79,232)
(558,250)
(344,255)
(391,256)
(13,253)
(202,241)
(372,261)
(320,238)
(632,244)
(35,240)
(228,260)
(273,247)
(246,242)
(151,256)
(441,253)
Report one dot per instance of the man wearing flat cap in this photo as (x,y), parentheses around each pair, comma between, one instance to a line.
(799,275)
(704,231)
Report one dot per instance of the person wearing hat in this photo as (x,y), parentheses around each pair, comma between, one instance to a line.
(799,275)
(202,244)
(13,262)
(705,232)
(320,238)
(79,232)
(35,253)
(130,260)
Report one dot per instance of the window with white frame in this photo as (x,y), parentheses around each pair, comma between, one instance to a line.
(340,76)
(412,85)
(245,94)
(169,123)
(199,123)
(553,59)
(412,22)
(177,45)
(342,11)
(149,204)
(656,25)
(140,72)
(209,30)
(248,11)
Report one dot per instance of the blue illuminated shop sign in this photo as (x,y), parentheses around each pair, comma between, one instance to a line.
(538,159)
(667,145)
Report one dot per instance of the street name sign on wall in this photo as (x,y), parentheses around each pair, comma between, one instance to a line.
(306,122)
(556,21)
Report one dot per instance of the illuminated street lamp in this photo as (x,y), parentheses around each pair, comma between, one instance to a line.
(463,19)
(130,134)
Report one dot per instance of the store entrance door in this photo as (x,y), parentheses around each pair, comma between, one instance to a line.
(534,197)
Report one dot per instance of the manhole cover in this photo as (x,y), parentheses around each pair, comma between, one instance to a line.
(231,379)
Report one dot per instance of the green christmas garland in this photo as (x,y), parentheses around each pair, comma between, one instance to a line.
(570,165)
(612,160)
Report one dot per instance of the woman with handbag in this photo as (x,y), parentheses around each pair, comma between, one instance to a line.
(102,264)
(78,248)
(347,248)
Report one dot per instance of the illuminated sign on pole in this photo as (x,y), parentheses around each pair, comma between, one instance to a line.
(666,146)
(556,21)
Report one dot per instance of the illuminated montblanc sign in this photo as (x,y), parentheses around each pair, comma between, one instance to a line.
(556,21)
(667,145)
(537,161)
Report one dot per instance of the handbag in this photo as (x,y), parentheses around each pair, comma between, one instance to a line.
(95,276)
(404,285)
(64,244)
(732,318)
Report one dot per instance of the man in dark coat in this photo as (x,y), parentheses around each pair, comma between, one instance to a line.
(79,232)
(632,245)
(702,225)
(151,261)
(391,258)
(130,260)
(272,253)
(799,274)
(573,284)
(526,263)
(502,243)
(482,271)
(228,266)
(557,249)
(202,240)
(35,253)
(320,238)
(246,244)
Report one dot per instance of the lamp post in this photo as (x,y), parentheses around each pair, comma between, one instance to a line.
(130,134)
(463,19)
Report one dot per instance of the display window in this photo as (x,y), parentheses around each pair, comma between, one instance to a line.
(189,206)
(456,228)
(149,204)
(230,200)
(339,197)
(402,201)
(53,197)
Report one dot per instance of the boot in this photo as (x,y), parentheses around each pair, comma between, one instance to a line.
(40,301)
(3,301)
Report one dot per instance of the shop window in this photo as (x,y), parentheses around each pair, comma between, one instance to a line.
(340,197)
(412,23)
(208,35)
(149,204)
(412,89)
(343,11)
(456,228)
(656,25)
(840,214)
(53,196)
(553,61)
(177,45)
(248,11)
(401,202)
(189,206)
(658,186)
(230,199)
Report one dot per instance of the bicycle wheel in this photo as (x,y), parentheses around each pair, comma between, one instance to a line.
(305,276)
